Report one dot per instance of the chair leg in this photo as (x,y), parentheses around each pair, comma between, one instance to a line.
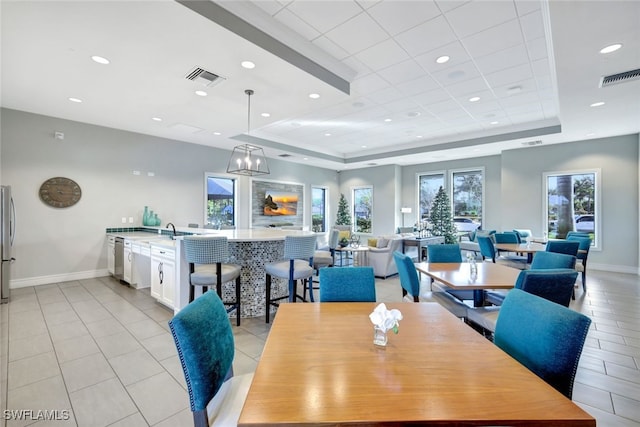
(268,296)
(191,292)
(584,280)
(310,282)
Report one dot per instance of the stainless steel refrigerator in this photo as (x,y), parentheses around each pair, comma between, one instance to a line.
(7,234)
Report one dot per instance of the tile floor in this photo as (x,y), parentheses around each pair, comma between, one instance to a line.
(103,352)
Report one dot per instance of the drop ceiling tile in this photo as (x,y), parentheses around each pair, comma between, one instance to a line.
(417,86)
(331,48)
(398,16)
(537,48)
(366,4)
(454,51)
(519,100)
(357,65)
(477,16)
(402,72)
(477,109)
(427,36)
(456,74)
(294,22)
(431,96)
(448,105)
(357,34)
(325,15)
(525,7)
(494,39)
(544,82)
(532,25)
(469,87)
(386,95)
(510,75)
(447,5)
(368,84)
(382,55)
(270,6)
(400,105)
(541,67)
(510,57)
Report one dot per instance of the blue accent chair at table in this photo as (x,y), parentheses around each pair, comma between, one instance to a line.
(207,256)
(410,283)
(569,247)
(297,265)
(448,253)
(582,256)
(205,344)
(347,284)
(545,337)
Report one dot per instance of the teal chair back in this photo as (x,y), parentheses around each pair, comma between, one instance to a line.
(547,338)
(204,340)
(545,260)
(444,253)
(569,247)
(507,237)
(347,284)
(555,284)
(584,244)
(409,279)
(578,234)
(487,250)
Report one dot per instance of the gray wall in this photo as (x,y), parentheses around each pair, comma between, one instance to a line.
(62,244)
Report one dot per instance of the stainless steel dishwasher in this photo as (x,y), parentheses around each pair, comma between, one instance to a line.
(118,268)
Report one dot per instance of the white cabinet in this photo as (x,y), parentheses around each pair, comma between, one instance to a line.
(163,272)
(128,263)
(111,254)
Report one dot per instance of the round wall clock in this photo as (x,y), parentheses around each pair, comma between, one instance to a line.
(60,192)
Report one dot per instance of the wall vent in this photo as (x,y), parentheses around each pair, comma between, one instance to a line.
(285,155)
(532,143)
(614,79)
(204,77)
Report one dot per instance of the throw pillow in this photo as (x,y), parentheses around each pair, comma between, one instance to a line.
(372,243)
(382,243)
(344,234)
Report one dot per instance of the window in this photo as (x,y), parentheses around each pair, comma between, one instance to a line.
(318,209)
(428,187)
(220,201)
(467,194)
(572,203)
(362,209)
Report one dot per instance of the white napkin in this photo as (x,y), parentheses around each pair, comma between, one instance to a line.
(385,319)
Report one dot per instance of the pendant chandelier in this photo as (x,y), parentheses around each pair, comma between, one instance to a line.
(247,159)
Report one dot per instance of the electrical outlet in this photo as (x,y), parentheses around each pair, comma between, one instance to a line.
(124,220)
(130,220)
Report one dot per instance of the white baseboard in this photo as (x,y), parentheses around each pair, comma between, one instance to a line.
(57,278)
(613,268)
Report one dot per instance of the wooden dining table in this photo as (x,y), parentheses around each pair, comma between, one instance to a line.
(320,367)
(527,248)
(457,275)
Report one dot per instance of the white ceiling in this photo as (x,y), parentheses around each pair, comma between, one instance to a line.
(535,66)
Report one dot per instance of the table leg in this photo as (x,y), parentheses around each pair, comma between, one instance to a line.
(478,297)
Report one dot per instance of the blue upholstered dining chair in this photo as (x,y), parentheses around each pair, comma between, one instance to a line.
(207,257)
(578,234)
(410,283)
(297,265)
(569,247)
(545,337)
(555,284)
(545,260)
(204,341)
(448,253)
(347,284)
(582,256)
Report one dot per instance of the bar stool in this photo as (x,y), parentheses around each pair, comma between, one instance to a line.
(325,257)
(209,253)
(297,265)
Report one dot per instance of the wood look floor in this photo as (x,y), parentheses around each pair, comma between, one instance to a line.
(103,351)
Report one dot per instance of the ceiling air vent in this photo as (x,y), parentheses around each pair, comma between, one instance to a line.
(284,155)
(204,77)
(532,143)
(614,79)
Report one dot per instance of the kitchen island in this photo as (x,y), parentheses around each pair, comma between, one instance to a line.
(249,248)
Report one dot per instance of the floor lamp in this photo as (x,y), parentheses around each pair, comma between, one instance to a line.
(404,211)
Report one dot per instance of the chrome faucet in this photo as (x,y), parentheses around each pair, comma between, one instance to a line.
(174,229)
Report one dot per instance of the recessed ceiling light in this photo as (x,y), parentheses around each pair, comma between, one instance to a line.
(597,104)
(327,134)
(590,134)
(314,95)
(418,136)
(248,64)
(493,123)
(413,113)
(100,59)
(305,158)
(156,119)
(474,99)
(514,90)
(201,93)
(265,115)
(217,133)
(75,100)
(611,48)
(364,146)
(387,120)
(442,59)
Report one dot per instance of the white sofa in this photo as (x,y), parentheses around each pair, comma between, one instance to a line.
(381,256)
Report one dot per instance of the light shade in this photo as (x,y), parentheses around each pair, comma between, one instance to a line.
(248,160)
(405,210)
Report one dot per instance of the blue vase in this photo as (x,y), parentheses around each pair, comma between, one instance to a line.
(156,220)
(145,216)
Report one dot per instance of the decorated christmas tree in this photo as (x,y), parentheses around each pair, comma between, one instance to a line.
(343,217)
(441,218)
